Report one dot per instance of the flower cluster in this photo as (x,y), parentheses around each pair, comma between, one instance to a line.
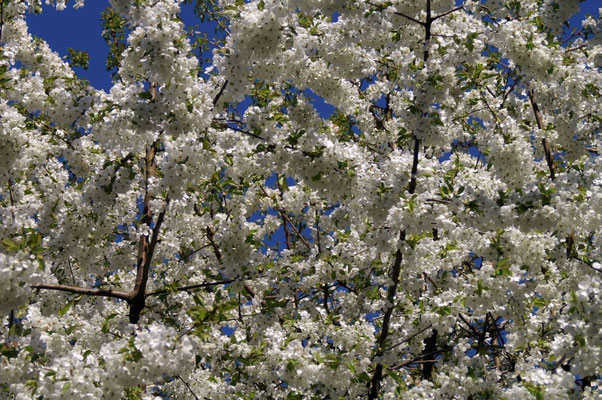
(360,199)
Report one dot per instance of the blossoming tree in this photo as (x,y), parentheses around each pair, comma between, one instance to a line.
(211,234)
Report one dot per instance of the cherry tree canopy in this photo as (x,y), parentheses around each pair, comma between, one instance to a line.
(210,233)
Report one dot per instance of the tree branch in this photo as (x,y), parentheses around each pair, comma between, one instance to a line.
(380,8)
(545,142)
(219,94)
(283,214)
(416,360)
(375,382)
(146,248)
(447,13)
(413,177)
(224,125)
(191,287)
(89,292)
(216,251)
(408,17)
(409,338)
(187,387)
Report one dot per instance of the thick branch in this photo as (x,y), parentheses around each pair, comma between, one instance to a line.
(137,300)
(375,382)
(284,223)
(146,247)
(384,333)
(429,348)
(88,292)
(1,18)
(412,187)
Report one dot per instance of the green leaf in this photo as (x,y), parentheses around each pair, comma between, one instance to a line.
(291,364)
(66,308)
(105,325)
(10,245)
(78,58)
(469,42)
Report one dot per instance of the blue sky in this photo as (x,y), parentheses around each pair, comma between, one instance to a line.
(81,29)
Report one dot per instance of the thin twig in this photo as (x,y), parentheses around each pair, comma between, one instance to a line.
(187,256)
(214,246)
(380,8)
(447,13)
(187,387)
(409,338)
(305,242)
(408,17)
(223,125)
(417,360)
(219,94)
(545,142)
(12,200)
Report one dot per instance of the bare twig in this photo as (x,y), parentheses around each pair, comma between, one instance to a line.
(285,216)
(409,338)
